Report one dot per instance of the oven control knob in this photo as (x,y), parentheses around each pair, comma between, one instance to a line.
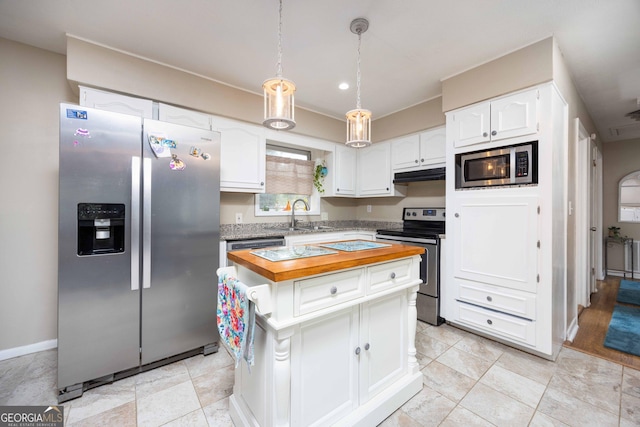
(413,213)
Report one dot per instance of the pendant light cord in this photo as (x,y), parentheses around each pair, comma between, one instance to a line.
(358,73)
(279,67)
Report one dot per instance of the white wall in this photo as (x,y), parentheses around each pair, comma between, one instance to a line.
(32,83)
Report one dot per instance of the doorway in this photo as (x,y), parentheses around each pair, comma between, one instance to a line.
(588,216)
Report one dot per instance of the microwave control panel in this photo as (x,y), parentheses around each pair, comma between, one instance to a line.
(522,164)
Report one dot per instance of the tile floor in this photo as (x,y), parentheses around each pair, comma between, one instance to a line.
(469,381)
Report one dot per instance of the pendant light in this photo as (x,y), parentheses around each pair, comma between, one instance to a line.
(359,120)
(278,93)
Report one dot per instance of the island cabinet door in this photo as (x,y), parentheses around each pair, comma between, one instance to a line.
(383,342)
(324,369)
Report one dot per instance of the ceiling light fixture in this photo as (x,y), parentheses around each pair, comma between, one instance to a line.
(343,86)
(278,93)
(358,120)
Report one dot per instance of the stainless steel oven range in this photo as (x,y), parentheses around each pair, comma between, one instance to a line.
(423,227)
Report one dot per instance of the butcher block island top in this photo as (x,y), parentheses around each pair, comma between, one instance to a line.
(334,336)
(278,271)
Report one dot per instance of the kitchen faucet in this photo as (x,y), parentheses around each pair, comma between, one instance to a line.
(293,211)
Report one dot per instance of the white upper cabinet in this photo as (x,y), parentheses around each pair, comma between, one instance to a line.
(342,166)
(505,117)
(374,172)
(405,152)
(433,147)
(182,116)
(242,156)
(419,151)
(116,102)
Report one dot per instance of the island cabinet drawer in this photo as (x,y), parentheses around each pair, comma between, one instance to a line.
(509,301)
(389,274)
(321,292)
(513,328)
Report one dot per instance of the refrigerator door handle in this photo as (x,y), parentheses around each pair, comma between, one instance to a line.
(135,223)
(146,223)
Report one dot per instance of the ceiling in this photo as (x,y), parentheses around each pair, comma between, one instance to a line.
(409,48)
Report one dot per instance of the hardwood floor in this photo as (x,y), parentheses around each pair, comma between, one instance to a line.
(593,323)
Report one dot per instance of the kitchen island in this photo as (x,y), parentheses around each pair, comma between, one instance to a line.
(334,343)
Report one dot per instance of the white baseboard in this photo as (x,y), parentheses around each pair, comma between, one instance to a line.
(572,331)
(28,349)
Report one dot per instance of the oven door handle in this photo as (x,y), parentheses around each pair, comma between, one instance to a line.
(401,239)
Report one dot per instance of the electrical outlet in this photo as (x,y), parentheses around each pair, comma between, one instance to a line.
(324,216)
(368,208)
(238,218)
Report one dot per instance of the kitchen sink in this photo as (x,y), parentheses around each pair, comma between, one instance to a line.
(303,228)
(293,252)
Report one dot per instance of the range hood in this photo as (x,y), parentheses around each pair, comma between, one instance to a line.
(436,174)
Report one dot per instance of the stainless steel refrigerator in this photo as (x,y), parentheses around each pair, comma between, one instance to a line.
(139,216)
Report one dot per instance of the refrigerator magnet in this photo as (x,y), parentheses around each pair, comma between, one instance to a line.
(205,156)
(161,140)
(195,151)
(82,132)
(160,150)
(176,164)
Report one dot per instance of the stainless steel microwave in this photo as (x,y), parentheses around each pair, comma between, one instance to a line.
(509,165)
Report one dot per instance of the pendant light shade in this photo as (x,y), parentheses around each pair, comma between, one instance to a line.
(279,103)
(359,120)
(358,128)
(278,93)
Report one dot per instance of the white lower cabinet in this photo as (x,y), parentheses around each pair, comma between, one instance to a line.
(512,328)
(324,369)
(342,352)
(345,359)
(495,239)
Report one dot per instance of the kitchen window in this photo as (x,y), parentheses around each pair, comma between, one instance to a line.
(289,176)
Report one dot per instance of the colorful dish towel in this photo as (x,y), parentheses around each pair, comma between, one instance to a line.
(236,318)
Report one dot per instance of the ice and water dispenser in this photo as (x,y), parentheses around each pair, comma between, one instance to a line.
(100,228)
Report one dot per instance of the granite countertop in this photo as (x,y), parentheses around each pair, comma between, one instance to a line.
(270,229)
(278,271)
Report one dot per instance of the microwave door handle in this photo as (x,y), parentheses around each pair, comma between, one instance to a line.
(512,166)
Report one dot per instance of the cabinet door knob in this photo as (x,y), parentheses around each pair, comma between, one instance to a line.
(489,299)
(333,290)
(387,188)
(357,351)
(489,321)
(456,214)
(393,275)
(485,134)
(494,133)
(337,189)
(262,184)
(367,346)
(416,160)
(422,160)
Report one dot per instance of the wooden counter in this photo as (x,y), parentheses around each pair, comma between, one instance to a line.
(278,271)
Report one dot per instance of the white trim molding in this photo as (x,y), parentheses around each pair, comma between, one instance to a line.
(10,353)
